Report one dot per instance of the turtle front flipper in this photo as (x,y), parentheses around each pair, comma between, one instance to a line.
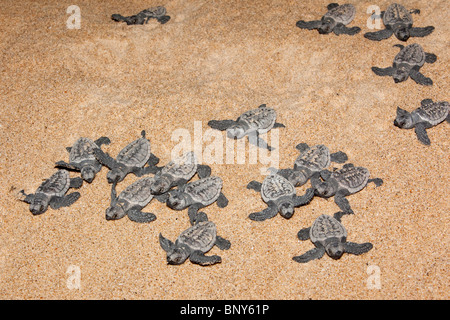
(419,78)
(312,254)
(222,244)
(278,125)
(138,216)
(68,166)
(118,17)
(430,57)
(377,181)
(338,157)
(305,199)
(199,257)
(102,140)
(421,132)
(256,140)
(302,147)
(268,213)
(254,185)
(66,201)
(421,32)
(356,248)
(221,125)
(379,35)
(342,202)
(203,171)
(76,183)
(382,72)
(28,197)
(342,29)
(104,158)
(194,214)
(163,19)
(332,5)
(303,234)
(309,25)
(165,243)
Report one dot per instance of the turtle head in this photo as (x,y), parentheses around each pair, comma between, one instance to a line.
(334,248)
(401,73)
(404,119)
(160,185)
(402,32)
(88,173)
(39,204)
(286,209)
(327,26)
(177,200)
(115,175)
(236,131)
(177,255)
(115,212)
(326,189)
(298,176)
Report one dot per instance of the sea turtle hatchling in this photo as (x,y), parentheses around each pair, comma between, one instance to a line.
(131,201)
(193,243)
(280,196)
(52,193)
(82,157)
(407,64)
(335,20)
(196,195)
(132,158)
(341,183)
(329,236)
(251,123)
(311,161)
(428,115)
(158,13)
(398,21)
(178,172)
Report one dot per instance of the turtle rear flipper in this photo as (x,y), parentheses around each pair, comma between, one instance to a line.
(430,57)
(221,125)
(379,35)
(163,19)
(222,244)
(199,257)
(421,32)
(338,157)
(356,248)
(312,254)
(76,183)
(303,234)
(66,201)
(203,171)
(222,201)
(332,5)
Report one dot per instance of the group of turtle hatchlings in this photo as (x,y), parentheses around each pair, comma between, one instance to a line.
(171,183)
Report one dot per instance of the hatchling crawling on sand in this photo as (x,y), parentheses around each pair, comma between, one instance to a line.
(407,64)
(342,183)
(398,21)
(335,20)
(158,13)
(330,237)
(280,196)
(428,115)
(193,243)
(82,157)
(311,161)
(251,123)
(132,158)
(52,192)
(178,172)
(196,195)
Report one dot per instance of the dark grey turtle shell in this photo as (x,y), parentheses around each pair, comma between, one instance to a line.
(342,14)
(204,191)
(412,54)
(434,112)
(397,14)
(201,236)
(138,193)
(353,179)
(56,185)
(261,119)
(135,154)
(82,150)
(183,167)
(326,227)
(275,187)
(315,158)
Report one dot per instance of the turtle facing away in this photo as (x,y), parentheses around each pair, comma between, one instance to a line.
(131,201)
(193,243)
(52,193)
(329,236)
(342,183)
(251,123)
(335,20)
(280,196)
(398,21)
(407,64)
(428,115)
(196,195)
(132,158)
(311,161)
(178,172)
(82,157)
(158,13)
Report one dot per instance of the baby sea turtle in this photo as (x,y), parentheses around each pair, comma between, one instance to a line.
(398,21)
(280,196)
(158,13)
(132,158)
(407,64)
(335,20)
(251,123)
(52,193)
(329,236)
(311,160)
(341,183)
(193,243)
(131,201)
(196,195)
(82,157)
(178,172)
(428,115)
